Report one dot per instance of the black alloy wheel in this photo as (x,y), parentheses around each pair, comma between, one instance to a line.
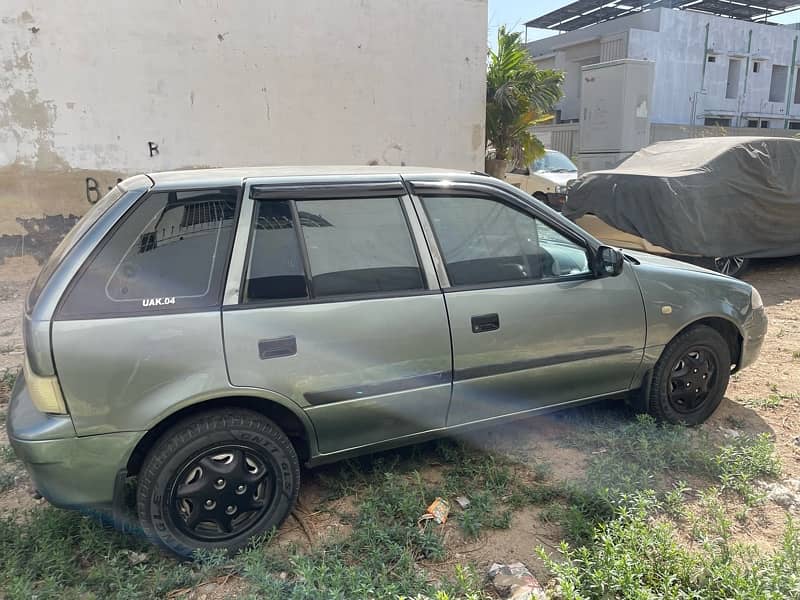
(731,265)
(216,480)
(222,492)
(690,378)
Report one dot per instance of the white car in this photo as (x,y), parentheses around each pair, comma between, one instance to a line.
(546,178)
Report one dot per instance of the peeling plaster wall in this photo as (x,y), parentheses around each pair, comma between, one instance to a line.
(93,91)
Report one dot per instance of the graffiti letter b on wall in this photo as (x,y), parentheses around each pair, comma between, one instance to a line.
(92,190)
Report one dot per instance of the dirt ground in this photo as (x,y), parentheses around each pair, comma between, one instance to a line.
(775,377)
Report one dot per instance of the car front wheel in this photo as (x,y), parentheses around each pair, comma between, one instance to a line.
(690,378)
(216,480)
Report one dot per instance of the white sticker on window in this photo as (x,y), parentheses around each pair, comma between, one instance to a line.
(158,301)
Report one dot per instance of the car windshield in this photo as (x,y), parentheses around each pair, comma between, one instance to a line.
(553,162)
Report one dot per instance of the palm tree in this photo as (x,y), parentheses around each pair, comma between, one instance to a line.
(518,95)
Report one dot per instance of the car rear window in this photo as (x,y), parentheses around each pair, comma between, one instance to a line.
(168,254)
(76,233)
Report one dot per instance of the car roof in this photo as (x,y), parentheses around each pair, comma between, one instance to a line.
(235,175)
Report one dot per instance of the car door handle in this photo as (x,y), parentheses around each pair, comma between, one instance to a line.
(481,323)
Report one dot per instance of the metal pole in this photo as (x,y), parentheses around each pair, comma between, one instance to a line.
(693,124)
(789,84)
(705,59)
(746,73)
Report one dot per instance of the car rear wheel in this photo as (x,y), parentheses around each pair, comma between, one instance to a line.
(731,265)
(216,480)
(690,378)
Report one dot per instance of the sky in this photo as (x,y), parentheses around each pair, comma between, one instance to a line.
(514,13)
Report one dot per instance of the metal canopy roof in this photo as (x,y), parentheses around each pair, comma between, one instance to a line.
(583,13)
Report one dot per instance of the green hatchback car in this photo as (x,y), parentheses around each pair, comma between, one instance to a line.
(206,332)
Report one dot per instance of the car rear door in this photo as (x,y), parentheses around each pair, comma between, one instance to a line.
(332,301)
(531,325)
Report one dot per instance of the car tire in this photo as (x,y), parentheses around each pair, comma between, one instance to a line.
(216,480)
(690,378)
(735,266)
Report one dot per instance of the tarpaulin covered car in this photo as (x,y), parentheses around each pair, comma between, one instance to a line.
(727,198)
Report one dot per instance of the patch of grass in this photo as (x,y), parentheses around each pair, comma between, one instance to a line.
(796,354)
(637,555)
(632,456)
(10,468)
(7,455)
(744,460)
(58,554)
(379,559)
(7,481)
(771,402)
(8,377)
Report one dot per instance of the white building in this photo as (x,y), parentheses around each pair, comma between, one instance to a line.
(709,70)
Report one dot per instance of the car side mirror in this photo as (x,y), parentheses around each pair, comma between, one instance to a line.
(608,262)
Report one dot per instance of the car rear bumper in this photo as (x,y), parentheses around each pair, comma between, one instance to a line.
(69,471)
(755,330)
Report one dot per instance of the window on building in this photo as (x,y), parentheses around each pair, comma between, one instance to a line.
(777,83)
(794,124)
(764,124)
(711,58)
(756,66)
(752,122)
(732,87)
(168,254)
(718,121)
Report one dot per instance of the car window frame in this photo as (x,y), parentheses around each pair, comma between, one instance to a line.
(422,189)
(299,192)
(109,235)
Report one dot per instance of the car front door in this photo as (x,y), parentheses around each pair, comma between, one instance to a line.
(531,325)
(339,309)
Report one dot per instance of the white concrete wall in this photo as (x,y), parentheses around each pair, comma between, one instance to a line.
(90,84)
(680,42)
(89,89)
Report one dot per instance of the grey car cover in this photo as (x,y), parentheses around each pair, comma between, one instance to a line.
(720,196)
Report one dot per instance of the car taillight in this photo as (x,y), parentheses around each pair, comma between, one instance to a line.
(45,392)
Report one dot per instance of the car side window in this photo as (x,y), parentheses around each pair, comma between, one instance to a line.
(358,246)
(353,246)
(168,253)
(486,241)
(275,270)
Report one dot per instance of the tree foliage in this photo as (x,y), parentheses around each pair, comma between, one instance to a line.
(518,94)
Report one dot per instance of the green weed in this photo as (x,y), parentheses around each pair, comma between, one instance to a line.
(771,402)
(635,555)
(58,554)
(744,460)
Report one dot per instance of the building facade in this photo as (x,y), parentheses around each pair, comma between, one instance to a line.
(709,70)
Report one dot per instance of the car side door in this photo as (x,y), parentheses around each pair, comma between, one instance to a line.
(332,302)
(532,326)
